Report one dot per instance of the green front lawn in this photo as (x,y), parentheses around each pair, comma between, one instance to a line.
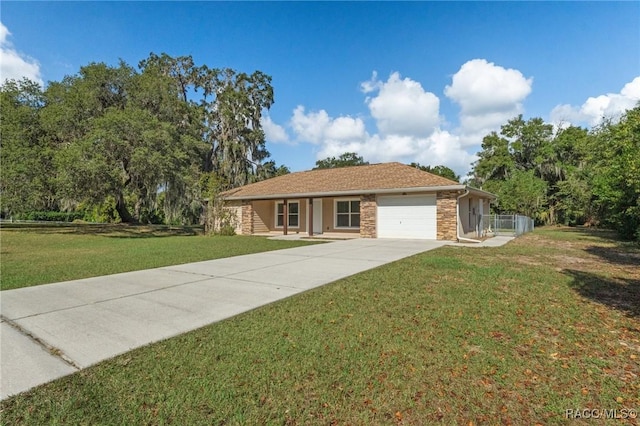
(509,335)
(36,254)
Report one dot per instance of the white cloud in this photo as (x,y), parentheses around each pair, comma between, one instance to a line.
(4,33)
(273,132)
(371,84)
(408,119)
(595,109)
(481,86)
(489,95)
(402,106)
(346,128)
(318,127)
(14,65)
(335,136)
(441,147)
(446,148)
(309,127)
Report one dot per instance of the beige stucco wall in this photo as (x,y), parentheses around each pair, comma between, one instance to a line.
(464,215)
(263,215)
(468,222)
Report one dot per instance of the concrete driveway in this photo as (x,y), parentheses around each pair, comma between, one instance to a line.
(52,330)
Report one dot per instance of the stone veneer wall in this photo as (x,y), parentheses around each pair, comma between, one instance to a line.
(247,218)
(368,216)
(446,216)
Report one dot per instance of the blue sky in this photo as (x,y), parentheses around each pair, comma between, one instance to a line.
(416,81)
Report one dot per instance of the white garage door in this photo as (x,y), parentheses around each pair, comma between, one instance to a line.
(407,217)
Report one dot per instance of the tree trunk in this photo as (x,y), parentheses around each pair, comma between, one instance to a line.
(121,208)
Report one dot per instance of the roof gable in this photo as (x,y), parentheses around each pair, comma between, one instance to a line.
(344,180)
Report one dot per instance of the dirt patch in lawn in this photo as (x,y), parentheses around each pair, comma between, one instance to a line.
(602,268)
(589,250)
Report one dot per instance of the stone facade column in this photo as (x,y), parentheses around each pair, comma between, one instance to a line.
(247,217)
(447,226)
(368,216)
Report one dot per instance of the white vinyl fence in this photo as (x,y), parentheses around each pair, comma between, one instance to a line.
(506,224)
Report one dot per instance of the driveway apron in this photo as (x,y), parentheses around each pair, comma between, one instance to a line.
(52,330)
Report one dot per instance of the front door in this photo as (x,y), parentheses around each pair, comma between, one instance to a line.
(317,215)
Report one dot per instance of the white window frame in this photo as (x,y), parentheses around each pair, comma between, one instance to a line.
(289,202)
(335,212)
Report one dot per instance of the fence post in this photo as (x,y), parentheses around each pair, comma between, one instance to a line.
(520,225)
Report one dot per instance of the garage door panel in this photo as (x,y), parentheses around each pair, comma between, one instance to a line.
(407,217)
(402,201)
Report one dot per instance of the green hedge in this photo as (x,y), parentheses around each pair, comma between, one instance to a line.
(49,216)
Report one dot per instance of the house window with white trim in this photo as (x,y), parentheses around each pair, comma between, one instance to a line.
(347,213)
(293,212)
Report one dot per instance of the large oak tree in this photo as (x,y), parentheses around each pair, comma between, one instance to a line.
(139,139)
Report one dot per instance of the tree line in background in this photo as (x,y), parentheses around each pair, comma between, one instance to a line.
(571,176)
(151,144)
(349,159)
(145,144)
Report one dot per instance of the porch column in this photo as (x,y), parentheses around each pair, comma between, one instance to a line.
(368,225)
(310,230)
(285,218)
(246,218)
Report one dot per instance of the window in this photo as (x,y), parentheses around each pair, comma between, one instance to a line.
(347,213)
(293,213)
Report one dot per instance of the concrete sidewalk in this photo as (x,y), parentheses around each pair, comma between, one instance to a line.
(496,241)
(52,330)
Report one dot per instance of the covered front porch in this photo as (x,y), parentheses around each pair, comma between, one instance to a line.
(330,236)
(472,212)
(331,217)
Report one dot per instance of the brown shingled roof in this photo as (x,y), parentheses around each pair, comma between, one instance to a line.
(343,181)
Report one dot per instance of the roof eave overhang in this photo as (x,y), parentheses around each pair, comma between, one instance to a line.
(481,193)
(353,192)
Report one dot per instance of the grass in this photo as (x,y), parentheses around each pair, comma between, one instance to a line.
(33,254)
(509,335)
